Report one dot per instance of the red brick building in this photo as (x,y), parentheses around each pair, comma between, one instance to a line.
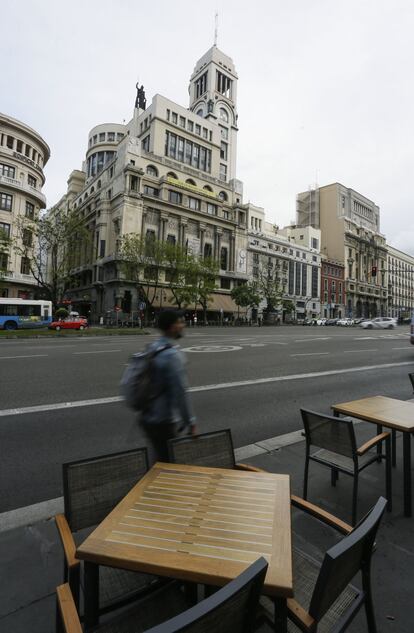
(332,289)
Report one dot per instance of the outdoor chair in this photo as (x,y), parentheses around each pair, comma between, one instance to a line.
(214,450)
(231,609)
(92,488)
(325,601)
(335,439)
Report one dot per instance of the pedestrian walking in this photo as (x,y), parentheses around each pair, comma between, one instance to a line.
(169,412)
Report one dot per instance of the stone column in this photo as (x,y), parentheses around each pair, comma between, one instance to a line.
(144,216)
(183,233)
(232,261)
(217,243)
(202,229)
(163,221)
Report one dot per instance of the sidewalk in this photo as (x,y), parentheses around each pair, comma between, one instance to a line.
(32,561)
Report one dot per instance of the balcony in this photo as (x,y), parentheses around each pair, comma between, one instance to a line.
(5,181)
(19,278)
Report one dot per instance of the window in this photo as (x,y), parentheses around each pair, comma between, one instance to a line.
(150,242)
(223,172)
(174,117)
(9,142)
(187,152)
(223,84)
(194,203)
(7,170)
(199,113)
(223,196)
(25,266)
(19,147)
(298,278)
(182,121)
(4,262)
(95,139)
(151,191)
(32,181)
(315,275)
(205,132)
(224,115)
(27,237)
(119,136)
(198,128)
(6,201)
(224,132)
(102,248)
(146,143)
(226,216)
(223,258)
(200,86)
(180,150)
(223,151)
(111,136)
(190,126)
(225,283)
(101,137)
(291,277)
(208,251)
(134,183)
(4,229)
(304,280)
(315,243)
(211,208)
(171,239)
(175,197)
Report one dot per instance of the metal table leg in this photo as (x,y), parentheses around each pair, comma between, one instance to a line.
(379,447)
(394,446)
(280,615)
(91,579)
(407,473)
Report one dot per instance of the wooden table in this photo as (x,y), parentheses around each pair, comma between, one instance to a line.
(397,415)
(203,525)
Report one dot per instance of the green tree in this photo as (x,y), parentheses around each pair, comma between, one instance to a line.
(142,262)
(268,287)
(5,243)
(246,296)
(180,275)
(205,272)
(53,245)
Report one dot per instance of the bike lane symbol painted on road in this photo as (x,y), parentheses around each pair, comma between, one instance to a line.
(212,348)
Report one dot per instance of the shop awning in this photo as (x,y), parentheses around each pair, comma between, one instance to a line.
(222,302)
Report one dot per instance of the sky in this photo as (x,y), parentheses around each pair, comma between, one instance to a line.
(325,90)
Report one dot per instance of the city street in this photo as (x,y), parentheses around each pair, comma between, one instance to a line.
(60,397)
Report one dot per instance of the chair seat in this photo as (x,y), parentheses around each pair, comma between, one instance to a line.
(157,607)
(346,463)
(120,585)
(305,574)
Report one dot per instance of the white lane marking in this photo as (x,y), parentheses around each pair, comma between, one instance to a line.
(406,347)
(356,351)
(312,354)
(100,351)
(256,344)
(212,348)
(26,356)
(318,338)
(212,387)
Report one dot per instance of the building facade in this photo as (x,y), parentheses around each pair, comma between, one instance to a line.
(400,269)
(332,289)
(290,257)
(350,235)
(23,155)
(169,174)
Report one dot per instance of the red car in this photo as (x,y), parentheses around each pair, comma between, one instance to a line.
(73,323)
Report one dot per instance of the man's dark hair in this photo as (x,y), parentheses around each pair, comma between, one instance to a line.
(168,318)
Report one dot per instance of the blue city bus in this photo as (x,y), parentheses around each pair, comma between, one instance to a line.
(24,313)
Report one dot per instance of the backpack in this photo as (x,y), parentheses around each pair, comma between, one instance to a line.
(136,384)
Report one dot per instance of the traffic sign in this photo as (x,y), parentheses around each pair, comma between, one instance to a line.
(142,305)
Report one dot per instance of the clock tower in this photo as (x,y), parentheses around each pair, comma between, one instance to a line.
(213,96)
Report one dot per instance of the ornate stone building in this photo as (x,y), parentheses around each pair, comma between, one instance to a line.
(400,269)
(23,155)
(350,235)
(170,173)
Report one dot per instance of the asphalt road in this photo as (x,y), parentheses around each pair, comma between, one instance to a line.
(281,369)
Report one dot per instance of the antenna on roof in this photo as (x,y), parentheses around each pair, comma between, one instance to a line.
(215,28)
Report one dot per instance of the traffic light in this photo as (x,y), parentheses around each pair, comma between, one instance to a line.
(374,271)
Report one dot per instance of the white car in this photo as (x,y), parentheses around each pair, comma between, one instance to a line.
(345,322)
(321,321)
(387,323)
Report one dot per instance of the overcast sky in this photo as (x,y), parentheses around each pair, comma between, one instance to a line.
(325,87)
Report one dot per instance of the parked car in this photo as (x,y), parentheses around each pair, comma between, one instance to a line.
(71,323)
(321,321)
(412,330)
(309,322)
(345,322)
(387,323)
(331,321)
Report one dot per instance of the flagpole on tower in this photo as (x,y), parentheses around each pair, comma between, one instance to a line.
(215,28)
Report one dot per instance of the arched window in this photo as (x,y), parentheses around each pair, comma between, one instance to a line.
(200,112)
(223,196)
(224,115)
(92,190)
(86,195)
(190,181)
(208,188)
(172,175)
(99,185)
(223,258)
(152,171)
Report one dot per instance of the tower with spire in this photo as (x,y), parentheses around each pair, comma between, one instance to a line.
(213,96)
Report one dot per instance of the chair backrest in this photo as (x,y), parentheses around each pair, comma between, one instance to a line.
(411,377)
(232,608)
(209,449)
(344,560)
(330,433)
(93,487)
